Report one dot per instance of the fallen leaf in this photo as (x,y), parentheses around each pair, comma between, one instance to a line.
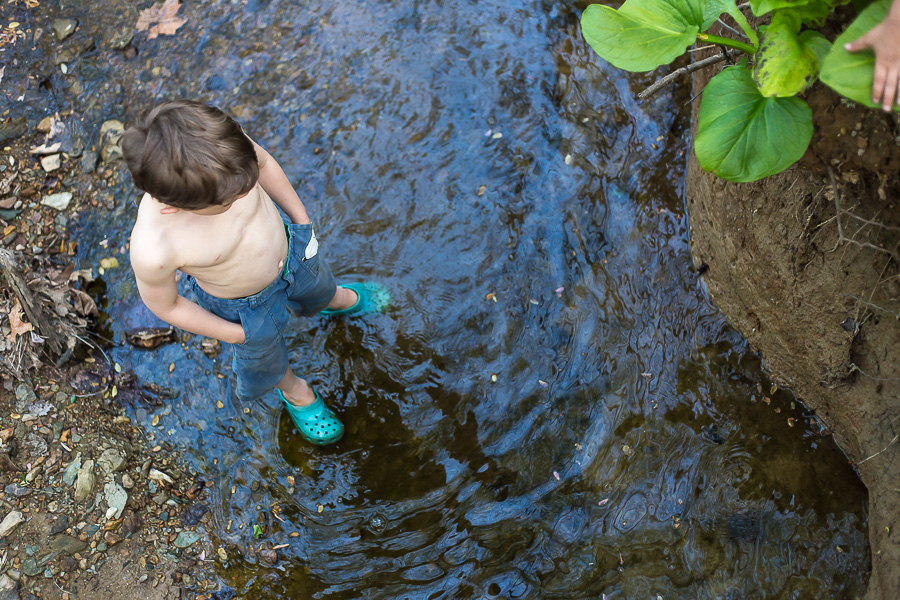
(160,19)
(319,507)
(555,474)
(16,324)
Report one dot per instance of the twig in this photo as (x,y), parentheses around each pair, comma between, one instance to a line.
(743,6)
(700,64)
(93,345)
(702,48)
(732,29)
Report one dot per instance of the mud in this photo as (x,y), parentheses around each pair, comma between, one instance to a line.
(819,302)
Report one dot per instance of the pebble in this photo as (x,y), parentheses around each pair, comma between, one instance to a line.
(51,162)
(187,538)
(59,525)
(84,484)
(116,497)
(127,481)
(10,522)
(63,28)
(89,161)
(110,461)
(14,489)
(58,201)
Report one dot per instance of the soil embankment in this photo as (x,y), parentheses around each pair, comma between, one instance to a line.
(805,264)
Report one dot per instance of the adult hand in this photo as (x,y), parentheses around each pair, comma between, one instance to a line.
(883,40)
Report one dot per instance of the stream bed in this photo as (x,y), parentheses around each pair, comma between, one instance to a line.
(552,407)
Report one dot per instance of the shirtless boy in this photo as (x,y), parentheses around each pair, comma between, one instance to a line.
(210,211)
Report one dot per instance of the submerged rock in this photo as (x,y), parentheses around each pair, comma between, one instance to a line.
(63,28)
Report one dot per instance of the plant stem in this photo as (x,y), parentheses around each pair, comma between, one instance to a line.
(723,41)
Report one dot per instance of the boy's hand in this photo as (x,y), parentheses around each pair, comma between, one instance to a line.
(154,272)
(882,39)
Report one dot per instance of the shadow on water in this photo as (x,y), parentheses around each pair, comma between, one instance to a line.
(552,408)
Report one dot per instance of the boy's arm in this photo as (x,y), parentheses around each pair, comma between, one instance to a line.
(276,184)
(155,277)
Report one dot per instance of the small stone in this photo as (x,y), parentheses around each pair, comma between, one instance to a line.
(89,161)
(59,525)
(110,461)
(143,578)
(46,124)
(10,522)
(31,568)
(13,129)
(187,538)
(120,39)
(101,547)
(116,497)
(72,470)
(84,484)
(51,162)
(14,489)
(58,201)
(131,525)
(9,588)
(63,28)
(127,481)
(66,545)
(111,538)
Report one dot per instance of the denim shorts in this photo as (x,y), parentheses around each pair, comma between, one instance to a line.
(305,285)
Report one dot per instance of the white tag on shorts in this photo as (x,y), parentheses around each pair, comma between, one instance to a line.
(312,248)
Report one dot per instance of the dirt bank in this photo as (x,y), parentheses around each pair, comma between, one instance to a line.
(807,269)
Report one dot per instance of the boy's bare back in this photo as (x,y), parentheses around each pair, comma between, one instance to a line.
(232,252)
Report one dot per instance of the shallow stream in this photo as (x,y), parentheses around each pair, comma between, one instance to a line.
(552,407)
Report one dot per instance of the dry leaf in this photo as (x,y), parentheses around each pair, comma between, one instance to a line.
(160,19)
(18,326)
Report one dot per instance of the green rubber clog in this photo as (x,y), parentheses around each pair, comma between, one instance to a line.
(316,422)
(372,298)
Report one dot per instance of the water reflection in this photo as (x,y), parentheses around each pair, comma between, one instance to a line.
(552,408)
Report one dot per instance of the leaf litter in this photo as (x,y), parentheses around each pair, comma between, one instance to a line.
(160,19)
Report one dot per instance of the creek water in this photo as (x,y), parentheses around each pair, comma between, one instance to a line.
(552,407)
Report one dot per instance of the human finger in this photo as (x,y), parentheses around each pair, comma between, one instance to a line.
(859,44)
(879,79)
(890,89)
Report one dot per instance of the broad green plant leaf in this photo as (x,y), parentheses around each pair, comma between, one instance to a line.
(642,34)
(744,136)
(762,7)
(816,42)
(783,65)
(851,73)
(715,8)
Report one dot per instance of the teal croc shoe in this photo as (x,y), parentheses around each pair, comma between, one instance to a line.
(316,422)
(373,298)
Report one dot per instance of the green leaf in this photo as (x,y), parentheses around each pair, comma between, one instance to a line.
(783,65)
(762,7)
(642,34)
(851,73)
(715,8)
(744,136)
(257,531)
(817,43)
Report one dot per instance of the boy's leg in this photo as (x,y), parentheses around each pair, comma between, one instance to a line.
(296,390)
(343,299)
(312,418)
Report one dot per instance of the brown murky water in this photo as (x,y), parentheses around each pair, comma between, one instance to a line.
(552,408)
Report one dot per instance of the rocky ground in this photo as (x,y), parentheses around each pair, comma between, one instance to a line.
(92,506)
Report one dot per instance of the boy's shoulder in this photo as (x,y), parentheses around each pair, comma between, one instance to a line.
(150,236)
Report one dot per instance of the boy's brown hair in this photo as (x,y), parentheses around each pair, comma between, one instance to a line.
(190,155)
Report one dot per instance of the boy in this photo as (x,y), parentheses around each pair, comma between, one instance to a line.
(208,211)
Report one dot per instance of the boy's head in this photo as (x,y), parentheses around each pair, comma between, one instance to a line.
(190,155)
